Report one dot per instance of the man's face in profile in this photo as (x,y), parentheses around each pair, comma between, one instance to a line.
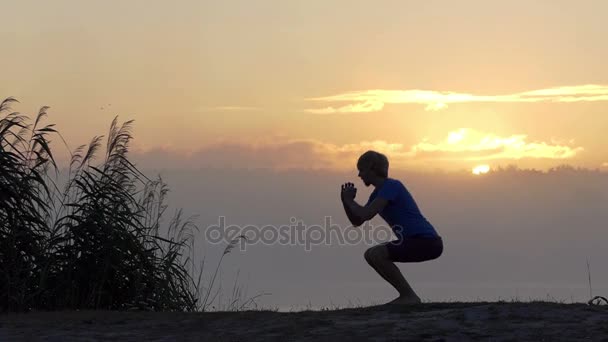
(365,173)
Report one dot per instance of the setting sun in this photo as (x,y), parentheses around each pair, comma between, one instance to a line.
(481,169)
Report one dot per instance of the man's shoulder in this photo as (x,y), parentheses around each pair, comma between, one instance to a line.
(394,182)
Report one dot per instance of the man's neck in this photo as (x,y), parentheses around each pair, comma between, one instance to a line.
(377,183)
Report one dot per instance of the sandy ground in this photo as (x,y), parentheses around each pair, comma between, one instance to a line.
(537,321)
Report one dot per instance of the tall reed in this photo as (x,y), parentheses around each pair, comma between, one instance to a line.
(96,243)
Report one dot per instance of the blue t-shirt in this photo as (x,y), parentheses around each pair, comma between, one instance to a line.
(402,212)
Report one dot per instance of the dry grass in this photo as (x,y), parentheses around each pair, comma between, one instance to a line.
(97,243)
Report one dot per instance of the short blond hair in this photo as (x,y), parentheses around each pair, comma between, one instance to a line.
(378,162)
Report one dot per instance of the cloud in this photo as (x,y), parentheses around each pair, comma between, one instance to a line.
(362,107)
(374,100)
(272,152)
(281,153)
(605,164)
(436,106)
(469,144)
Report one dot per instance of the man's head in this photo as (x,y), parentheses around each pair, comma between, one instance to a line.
(372,166)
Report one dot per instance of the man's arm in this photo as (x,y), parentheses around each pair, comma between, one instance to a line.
(361,214)
(351,217)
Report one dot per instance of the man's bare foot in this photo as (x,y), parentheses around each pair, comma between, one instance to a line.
(402,300)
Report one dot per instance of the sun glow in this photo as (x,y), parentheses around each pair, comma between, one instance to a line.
(456,136)
(481,169)
(469,144)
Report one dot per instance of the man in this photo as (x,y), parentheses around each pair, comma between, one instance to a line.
(417,240)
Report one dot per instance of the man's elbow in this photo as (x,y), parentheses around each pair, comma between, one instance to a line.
(366,216)
(358,221)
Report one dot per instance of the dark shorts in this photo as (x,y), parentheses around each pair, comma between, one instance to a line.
(415,249)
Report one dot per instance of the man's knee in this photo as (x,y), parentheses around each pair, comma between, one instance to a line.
(376,253)
(368,255)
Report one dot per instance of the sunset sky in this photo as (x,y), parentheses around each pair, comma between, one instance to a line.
(296,84)
(222,90)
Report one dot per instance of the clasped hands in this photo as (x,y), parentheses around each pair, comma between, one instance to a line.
(348,191)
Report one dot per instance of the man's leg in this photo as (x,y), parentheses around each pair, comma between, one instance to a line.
(377,257)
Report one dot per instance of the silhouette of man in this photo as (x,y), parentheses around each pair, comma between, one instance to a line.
(417,240)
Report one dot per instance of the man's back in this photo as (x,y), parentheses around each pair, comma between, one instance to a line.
(402,212)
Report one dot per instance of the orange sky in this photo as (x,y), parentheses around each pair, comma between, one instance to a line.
(434,84)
